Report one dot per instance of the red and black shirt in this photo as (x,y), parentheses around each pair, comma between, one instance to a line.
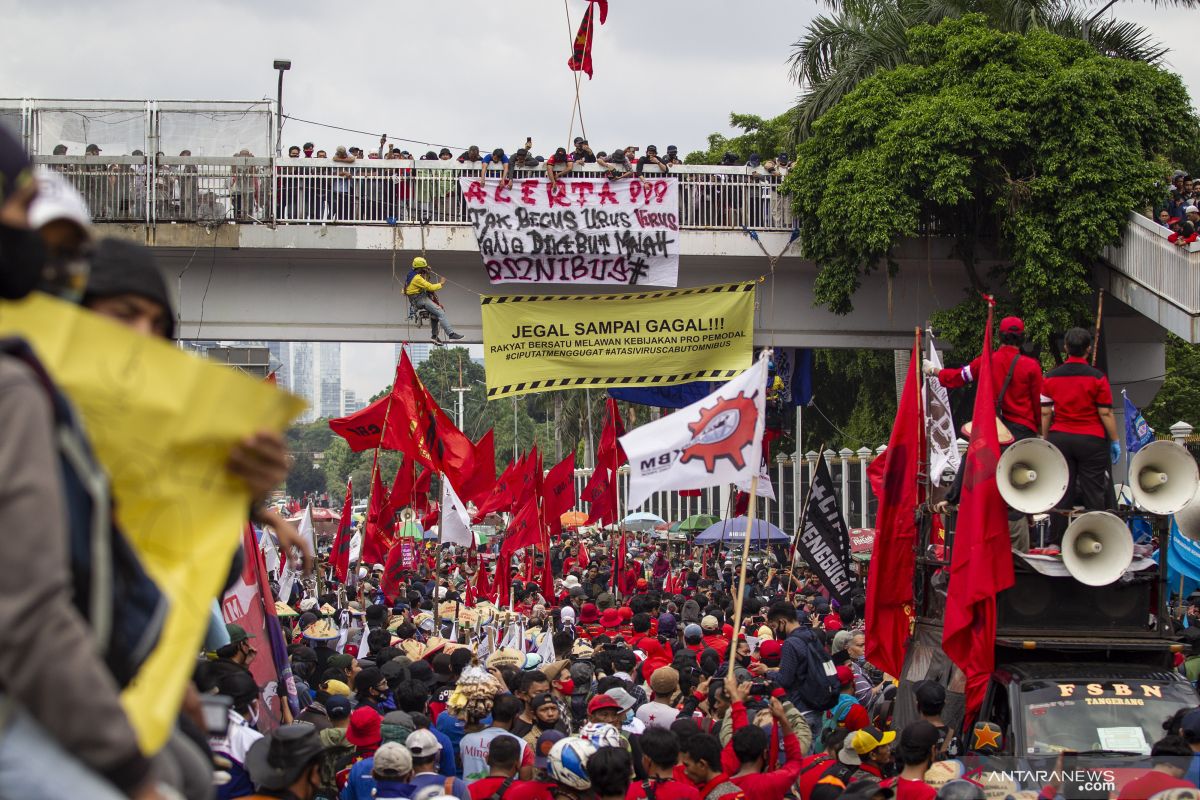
(1076,390)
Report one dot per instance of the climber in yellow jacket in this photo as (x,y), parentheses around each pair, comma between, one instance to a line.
(422,293)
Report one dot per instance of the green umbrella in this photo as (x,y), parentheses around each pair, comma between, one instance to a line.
(698,522)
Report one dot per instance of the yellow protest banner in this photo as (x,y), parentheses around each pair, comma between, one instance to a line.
(538,343)
(162,422)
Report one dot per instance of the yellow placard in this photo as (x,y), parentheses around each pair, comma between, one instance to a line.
(162,422)
(539,343)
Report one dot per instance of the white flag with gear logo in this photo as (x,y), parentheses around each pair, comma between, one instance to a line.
(714,441)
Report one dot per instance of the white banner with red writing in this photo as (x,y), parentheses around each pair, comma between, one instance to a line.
(577,230)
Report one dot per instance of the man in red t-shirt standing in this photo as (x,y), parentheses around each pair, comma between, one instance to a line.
(1016,379)
(1077,418)
(660,753)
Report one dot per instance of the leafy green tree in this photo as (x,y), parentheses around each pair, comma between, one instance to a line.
(1179,397)
(868,377)
(862,37)
(767,137)
(1030,148)
(304,477)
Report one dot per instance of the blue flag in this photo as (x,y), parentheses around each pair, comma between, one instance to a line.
(1137,433)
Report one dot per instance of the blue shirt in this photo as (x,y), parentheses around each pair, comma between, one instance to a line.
(449,731)
(361,786)
(458,788)
(449,764)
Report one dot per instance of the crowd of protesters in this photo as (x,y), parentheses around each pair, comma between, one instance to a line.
(1180,212)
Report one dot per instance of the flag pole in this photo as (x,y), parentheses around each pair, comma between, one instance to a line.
(799,527)
(737,602)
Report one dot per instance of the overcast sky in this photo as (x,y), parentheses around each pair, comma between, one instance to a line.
(454,72)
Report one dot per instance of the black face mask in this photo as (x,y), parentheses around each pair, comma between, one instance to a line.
(22,254)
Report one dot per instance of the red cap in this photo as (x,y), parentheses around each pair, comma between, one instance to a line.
(1012,325)
(845,675)
(832,623)
(856,718)
(611,618)
(601,702)
(770,649)
(625,613)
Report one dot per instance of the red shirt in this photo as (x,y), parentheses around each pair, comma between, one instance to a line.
(910,790)
(1076,390)
(812,769)
(1151,784)
(713,784)
(517,790)
(1022,398)
(663,790)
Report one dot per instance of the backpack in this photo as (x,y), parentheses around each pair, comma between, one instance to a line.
(124,608)
(819,691)
(831,719)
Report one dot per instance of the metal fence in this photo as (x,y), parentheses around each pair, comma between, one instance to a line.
(211,189)
(790,485)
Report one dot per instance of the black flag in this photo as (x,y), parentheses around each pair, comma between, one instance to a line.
(823,539)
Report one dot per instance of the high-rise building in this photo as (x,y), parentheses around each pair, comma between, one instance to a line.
(330,372)
(418,353)
(350,402)
(304,381)
(281,362)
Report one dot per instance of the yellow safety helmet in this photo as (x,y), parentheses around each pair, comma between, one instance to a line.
(420,263)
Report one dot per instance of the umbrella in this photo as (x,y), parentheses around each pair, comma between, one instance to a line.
(573,518)
(642,520)
(734,531)
(411,530)
(698,522)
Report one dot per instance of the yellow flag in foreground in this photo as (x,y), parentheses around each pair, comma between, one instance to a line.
(162,423)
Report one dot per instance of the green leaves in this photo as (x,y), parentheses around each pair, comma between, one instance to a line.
(1028,147)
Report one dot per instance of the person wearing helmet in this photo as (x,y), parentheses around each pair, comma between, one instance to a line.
(567,767)
(422,294)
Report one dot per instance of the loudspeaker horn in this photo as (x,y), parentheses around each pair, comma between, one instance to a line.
(1187,519)
(1032,475)
(1097,548)
(1163,477)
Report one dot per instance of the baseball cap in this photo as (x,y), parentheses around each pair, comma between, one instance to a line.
(770,650)
(845,675)
(918,737)
(930,693)
(57,199)
(672,148)
(601,702)
(1012,325)
(92,148)
(624,698)
(541,699)
(1191,726)
(237,634)
(336,688)
(709,623)
(423,744)
(863,741)
(337,707)
(692,631)
(1191,210)
(392,761)
(545,743)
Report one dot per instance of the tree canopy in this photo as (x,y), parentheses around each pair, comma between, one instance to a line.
(1031,147)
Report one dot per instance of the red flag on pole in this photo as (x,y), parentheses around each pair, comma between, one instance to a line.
(581,52)
(981,566)
(364,429)
(524,530)
(483,478)
(377,529)
(583,559)
(500,497)
(339,557)
(889,611)
(402,486)
(558,493)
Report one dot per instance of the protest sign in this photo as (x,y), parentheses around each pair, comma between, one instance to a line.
(577,231)
(162,423)
(536,343)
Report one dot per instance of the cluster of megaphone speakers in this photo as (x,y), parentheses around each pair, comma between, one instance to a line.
(1097,547)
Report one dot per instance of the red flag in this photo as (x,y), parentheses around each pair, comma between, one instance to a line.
(614,428)
(427,434)
(482,588)
(393,573)
(889,582)
(433,517)
(501,497)
(483,478)
(581,52)
(364,429)
(377,532)
(525,529)
(601,493)
(402,487)
(558,492)
(981,566)
(527,477)
(339,557)
(583,559)
(423,482)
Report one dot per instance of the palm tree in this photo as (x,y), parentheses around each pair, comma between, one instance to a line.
(861,37)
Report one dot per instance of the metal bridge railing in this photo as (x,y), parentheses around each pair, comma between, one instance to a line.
(211,189)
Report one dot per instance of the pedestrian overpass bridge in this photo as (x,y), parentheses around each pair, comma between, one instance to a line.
(250,250)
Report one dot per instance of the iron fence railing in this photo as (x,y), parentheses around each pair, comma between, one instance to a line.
(212,189)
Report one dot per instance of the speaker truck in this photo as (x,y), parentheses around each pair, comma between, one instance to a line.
(1084,674)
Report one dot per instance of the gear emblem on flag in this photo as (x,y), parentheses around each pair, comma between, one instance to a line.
(722,431)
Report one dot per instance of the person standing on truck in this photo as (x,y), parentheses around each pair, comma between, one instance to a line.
(1077,418)
(1016,376)
(931,700)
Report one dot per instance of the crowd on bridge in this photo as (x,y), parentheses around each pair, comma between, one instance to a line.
(1180,211)
(339,187)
